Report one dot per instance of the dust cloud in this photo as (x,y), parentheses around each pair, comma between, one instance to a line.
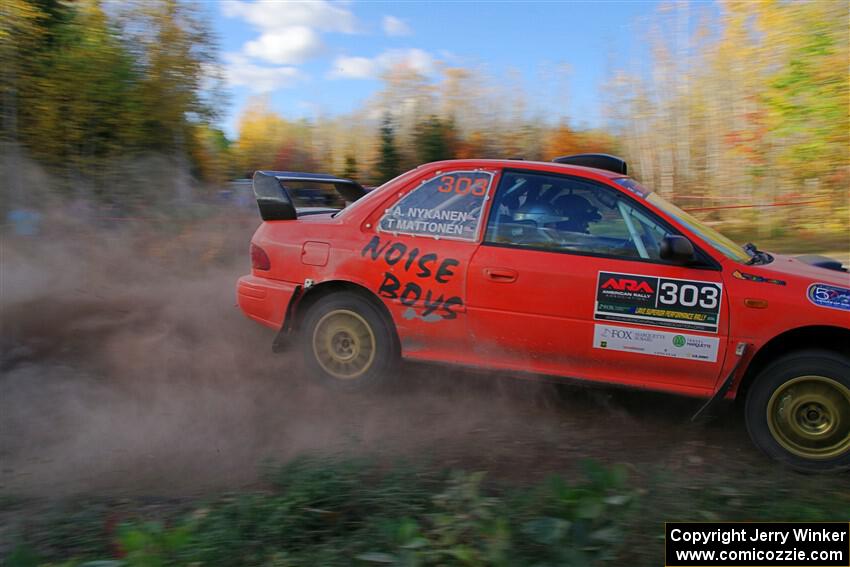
(127,369)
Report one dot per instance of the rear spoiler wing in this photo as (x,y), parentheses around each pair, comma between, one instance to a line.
(276,201)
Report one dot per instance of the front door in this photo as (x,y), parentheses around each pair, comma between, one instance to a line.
(569,281)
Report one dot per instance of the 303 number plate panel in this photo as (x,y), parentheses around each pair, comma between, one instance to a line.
(658,301)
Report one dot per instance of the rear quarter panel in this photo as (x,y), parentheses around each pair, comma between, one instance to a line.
(322,248)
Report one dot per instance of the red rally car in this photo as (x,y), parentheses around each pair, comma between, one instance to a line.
(567,268)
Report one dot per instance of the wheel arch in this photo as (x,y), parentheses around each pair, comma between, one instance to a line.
(827,337)
(313,294)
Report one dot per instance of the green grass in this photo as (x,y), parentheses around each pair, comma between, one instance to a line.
(328,512)
(347,512)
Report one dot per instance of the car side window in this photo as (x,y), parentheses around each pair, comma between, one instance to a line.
(448,205)
(552,212)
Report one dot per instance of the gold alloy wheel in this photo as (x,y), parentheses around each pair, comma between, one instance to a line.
(810,417)
(344,344)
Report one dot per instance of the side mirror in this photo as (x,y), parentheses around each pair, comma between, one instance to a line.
(677,249)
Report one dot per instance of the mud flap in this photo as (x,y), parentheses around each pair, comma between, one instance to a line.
(281,340)
(718,396)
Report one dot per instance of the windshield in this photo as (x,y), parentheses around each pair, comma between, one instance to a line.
(720,243)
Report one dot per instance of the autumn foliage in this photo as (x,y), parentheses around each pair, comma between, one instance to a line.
(739,102)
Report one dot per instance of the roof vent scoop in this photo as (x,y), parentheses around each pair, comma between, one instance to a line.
(822,262)
(598,161)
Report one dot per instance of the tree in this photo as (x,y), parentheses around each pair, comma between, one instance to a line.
(433,140)
(807,92)
(350,171)
(753,106)
(22,27)
(211,155)
(76,88)
(563,141)
(262,133)
(174,47)
(88,89)
(389,162)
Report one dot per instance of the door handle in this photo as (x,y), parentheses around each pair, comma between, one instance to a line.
(501,275)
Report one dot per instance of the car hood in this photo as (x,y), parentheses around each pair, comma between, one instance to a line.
(783,265)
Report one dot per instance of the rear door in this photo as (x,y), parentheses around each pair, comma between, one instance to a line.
(568,280)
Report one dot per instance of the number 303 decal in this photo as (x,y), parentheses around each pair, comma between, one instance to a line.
(463,185)
(688,295)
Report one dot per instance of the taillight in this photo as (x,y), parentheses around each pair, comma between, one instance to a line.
(259,258)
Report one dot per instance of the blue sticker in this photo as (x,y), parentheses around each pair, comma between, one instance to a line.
(831,296)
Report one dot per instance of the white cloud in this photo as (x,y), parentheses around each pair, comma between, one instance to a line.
(365,68)
(416,59)
(271,15)
(395,26)
(289,30)
(353,68)
(289,45)
(238,71)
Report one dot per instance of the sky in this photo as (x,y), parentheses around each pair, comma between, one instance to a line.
(325,57)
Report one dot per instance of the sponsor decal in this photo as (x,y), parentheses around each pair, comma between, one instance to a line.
(627,284)
(655,343)
(832,296)
(657,301)
(754,278)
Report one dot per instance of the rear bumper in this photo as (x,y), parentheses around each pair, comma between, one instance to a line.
(264,300)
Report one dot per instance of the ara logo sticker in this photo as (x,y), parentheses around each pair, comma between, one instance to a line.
(625,284)
(831,296)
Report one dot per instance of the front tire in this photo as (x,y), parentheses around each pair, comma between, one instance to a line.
(348,343)
(798,411)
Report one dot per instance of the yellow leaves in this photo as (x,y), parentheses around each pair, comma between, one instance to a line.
(210,154)
(18,18)
(562,141)
(268,141)
(754,104)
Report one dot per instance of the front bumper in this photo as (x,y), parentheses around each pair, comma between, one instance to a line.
(264,300)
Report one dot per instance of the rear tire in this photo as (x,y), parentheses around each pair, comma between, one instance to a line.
(798,411)
(348,343)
